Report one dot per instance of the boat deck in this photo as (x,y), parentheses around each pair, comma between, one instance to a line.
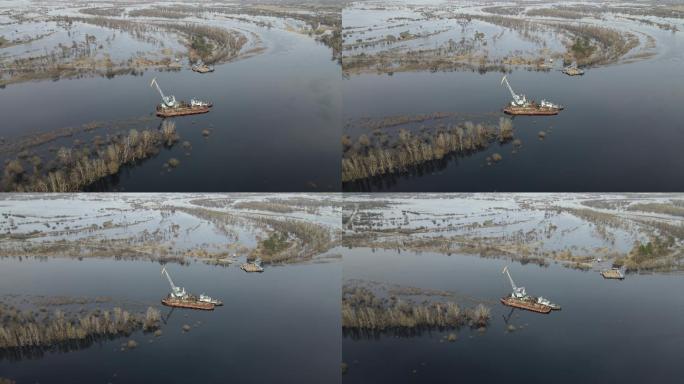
(249,267)
(612,274)
(169,302)
(526,305)
(181,111)
(531,111)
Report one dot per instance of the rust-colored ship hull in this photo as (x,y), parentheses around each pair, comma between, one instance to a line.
(169,302)
(531,111)
(526,305)
(181,111)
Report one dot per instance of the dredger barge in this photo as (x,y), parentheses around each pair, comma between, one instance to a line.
(170,301)
(179,298)
(532,109)
(170,107)
(520,299)
(182,109)
(520,105)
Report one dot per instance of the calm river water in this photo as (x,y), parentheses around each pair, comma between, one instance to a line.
(279,326)
(621,130)
(626,331)
(275,125)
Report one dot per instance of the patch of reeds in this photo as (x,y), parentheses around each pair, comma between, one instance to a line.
(28,330)
(305,240)
(74,170)
(660,208)
(595,45)
(264,206)
(504,9)
(555,12)
(163,12)
(364,160)
(103,11)
(363,310)
(213,45)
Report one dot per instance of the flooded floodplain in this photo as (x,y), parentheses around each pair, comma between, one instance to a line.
(423,96)
(418,267)
(80,288)
(77,99)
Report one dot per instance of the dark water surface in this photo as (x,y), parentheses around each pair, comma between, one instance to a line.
(621,130)
(275,122)
(279,326)
(608,331)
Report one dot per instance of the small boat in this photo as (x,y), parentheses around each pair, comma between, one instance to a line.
(252,267)
(573,70)
(613,273)
(202,68)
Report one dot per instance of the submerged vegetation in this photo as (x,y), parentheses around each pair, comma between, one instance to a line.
(363,311)
(27,332)
(366,159)
(76,169)
(166,39)
(292,240)
(618,232)
(425,45)
(212,44)
(167,233)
